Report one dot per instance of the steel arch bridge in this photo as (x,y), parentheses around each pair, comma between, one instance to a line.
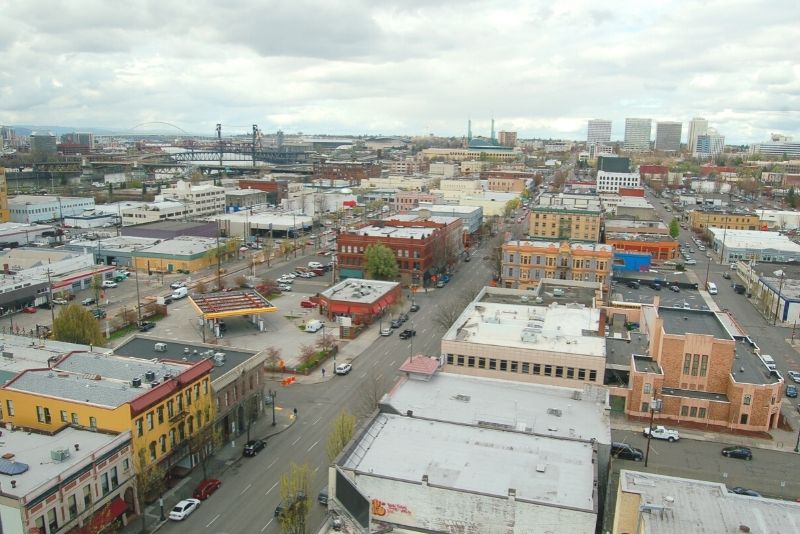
(228,153)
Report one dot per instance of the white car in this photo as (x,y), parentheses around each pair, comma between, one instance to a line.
(285,280)
(794,375)
(343,368)
(285,287)
(386,332)
(108,283)
(691,262)
(177,285)
(661,432)
(60,301)
(289,275)
(182,510)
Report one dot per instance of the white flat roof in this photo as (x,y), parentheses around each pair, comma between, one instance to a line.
(183,245)
(279,221)
(701,506)
(553,471)
(34,451)
(570,328)
(447,208)
(358,290)
(418,232)
(582,413)
(754,239)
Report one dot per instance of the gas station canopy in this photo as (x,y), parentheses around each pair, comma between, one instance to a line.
(231,304)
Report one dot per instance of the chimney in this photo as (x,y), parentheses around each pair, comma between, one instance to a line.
(424,480)
(77,447)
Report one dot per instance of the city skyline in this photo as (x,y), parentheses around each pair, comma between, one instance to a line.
(397,68)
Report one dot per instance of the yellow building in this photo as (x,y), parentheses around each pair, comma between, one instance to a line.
(187,253)
(702,219)
(524,263)
(162,403)
(563,222)
(4,214)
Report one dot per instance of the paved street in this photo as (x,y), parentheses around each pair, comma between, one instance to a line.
(250,490)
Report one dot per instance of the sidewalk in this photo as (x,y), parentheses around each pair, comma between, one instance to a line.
(782,440)
(226,456)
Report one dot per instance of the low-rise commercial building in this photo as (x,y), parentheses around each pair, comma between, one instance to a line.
(562,222)
(91,220)
(701,219)
(423,248)
(37,208)
(503,336)
(569,200)
(276,189)
(779,220)
(152,212)
(766,247)
(401,182)
(631,226)
(525,263)
(471,216)
(660,247)
(660,504)
(200,200)
(636,208)
(186,253)
(703,369)
(118,251)
(363,301)
(14,235)
(612,181)
(239,199)
(405,201)
(426,475)
(70,479)
(171,229)
(497,153)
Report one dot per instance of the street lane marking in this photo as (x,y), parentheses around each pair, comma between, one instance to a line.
(316,469)
(272,488)
(363,375)
(311,447)
(273,463)
(373,363)
(317,421)
(378,377)
(392,362)
(247,488)
(267,525)
(212,521)
(298,439)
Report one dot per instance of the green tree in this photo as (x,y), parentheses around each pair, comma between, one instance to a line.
(381,262)
(674,227)
(149,482)
(204,442)
(791,197)
(97,285)
(76,324)
(342,429)
(294,499)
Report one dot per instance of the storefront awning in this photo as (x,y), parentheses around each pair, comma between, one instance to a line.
(108,513)
(339,308)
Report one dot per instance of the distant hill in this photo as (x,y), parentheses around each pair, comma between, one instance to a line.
(27,129)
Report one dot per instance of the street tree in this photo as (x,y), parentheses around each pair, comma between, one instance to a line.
(381,263)
(241,280)
(791,197)
(294,486)
(76,324)
(97,286)
(273,359)
(343,427)
(204,442)
(674,227)
(149,482)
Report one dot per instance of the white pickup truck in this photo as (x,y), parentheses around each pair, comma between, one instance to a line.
(661,432)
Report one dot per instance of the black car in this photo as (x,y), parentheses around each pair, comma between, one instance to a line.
(414,307)
(656,286)
(253,447)
(98,313)
(146,326)
(407,333)
(744,491)
(633,284)
(743,453)
(396,323)
(623,451)
(403,318)
(739,288)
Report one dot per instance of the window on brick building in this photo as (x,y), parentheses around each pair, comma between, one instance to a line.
(695,364)
(687,361)
(693,411)
(525,368)
(746,400)
(648,388)
(492,364)
(592,376)
(701,413)
(537,368)
(704,365)
(481,363)
(460,360)
(450,359)
(470,361)
(684,411)
(645,406)
(504,365)
(743,419)
(581,374)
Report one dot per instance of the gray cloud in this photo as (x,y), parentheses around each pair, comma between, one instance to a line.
(410,66)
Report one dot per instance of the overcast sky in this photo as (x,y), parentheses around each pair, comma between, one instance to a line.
(402,66)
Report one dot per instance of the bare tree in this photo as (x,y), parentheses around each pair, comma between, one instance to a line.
(273,359)
(343,427)
(201,288)
(369,396)
(306,353)
(203,443)
(149,483)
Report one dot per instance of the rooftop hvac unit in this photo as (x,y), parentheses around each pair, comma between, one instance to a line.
(59,455)
(219,359)
(136,382)
(149,376)
(161,347)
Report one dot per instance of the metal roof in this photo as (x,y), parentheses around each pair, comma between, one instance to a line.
(231,304)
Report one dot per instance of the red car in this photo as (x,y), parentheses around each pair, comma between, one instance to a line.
(28,309)
(206,488)
(307,304)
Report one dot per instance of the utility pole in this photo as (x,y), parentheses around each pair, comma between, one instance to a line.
(219,262)
(655,406)
(255,134)
(219,140)
(138,298)
(50,295)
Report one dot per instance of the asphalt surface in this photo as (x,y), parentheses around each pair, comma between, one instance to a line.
(250,492)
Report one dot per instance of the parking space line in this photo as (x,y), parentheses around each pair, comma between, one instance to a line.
(298,439)
(272,488)
(363,375)
(245,489)
(267,525)
(392,362)
(317,421)
(212,521)
(378,377)
(312,446)
(273,463)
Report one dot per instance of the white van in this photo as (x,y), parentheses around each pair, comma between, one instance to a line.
(769,362)
(313,326)
(180,293)
(314,265)
(712,288)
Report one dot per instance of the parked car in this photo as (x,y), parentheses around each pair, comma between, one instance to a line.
(661,432)
(298,500)
(88,301)
(343,368)
(176,285)
(743,453)
(655,285)
(739,288)
(414,307)
(396,323)
(322,496)
(791,391)
(98,313)
(675,288)
(60,301)
(307,304)
(146,326)
(726,275)
(633,284)
(623,451)
(204,490)
(440,284)
(691,262)
(253,447)
(794,375)
(29,309)
(182,510)
(386,332)
(407,333)
(285,287)
(108,283)
(744,491)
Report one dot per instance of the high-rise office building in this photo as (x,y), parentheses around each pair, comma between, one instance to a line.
(507,138)
(709,144)
(637,134)
(668,136)
(697,126)
(43,145)
(598,132)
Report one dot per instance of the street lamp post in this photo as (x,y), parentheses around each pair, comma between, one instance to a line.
(655,406)
(272,395)
(782,274)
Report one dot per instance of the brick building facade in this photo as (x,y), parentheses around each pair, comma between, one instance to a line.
(276,190)
(349,171)
(525,263)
